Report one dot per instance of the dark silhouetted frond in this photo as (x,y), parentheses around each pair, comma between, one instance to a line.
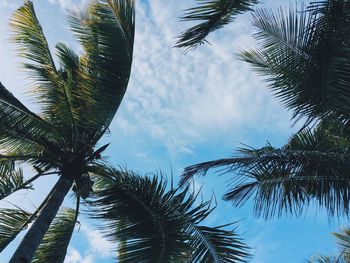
(160,225)
(214,14)
(22,129)
(313,167)
(305,56)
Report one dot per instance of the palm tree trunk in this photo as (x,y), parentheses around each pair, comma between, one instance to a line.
(35,234)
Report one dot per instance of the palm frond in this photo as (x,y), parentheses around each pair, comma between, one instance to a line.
(68,73)
(23,130)
(312,167)
(159,225)
(20,125)
(8,97)
(106,32)
(11,223)
(211,245)
(343,239)
(48,86)
(214,14)
(325,259)
(56,240)
(11,179)
(306,57)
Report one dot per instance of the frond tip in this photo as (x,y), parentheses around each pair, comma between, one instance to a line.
(215,14)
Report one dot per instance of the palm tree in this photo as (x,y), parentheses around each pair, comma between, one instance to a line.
(305,58)
(78,101)
(214,14)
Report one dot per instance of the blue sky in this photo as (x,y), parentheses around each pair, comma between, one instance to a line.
(180,109)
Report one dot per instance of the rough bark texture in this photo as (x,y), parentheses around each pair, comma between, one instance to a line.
(35,234)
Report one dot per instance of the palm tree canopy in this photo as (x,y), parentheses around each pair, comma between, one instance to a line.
(214,14)
(79,98)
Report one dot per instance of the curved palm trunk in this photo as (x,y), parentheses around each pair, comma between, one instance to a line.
(35,234)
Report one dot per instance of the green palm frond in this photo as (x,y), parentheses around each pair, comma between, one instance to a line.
(212,245)
(68,73)
(325,259)
(48,86)
(343,239)
(56,240)
(214,14)
(8,97)
(21,126)
(106,32)
(21,131)
(11,223)
(159,225)
(313,167)
(11,179)
(306,57)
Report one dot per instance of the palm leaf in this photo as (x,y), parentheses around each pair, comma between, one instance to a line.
(68,73)
(21,128)
(312,167)
(214,14)
(305,56)
(9,98)
(157,225)
(56,240)
(325,259)
(211,245)
(11,223)
(106,32)
(11,179)
(23,131)
(343,239)
(48,86)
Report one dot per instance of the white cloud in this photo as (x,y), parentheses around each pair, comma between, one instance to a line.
(98,244)
(98,247)
(182,100)
(7,4)
(70,4)
(74,256)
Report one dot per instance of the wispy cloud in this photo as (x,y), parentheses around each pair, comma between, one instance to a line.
(181,100)
(70,4)
(74,256)
(7,4)
(99,245)
(261,249)
(96,247)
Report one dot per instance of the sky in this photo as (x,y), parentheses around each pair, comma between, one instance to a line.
(179,109)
